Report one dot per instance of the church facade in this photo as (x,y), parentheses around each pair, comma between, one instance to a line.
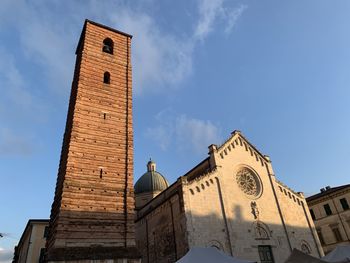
(232,201)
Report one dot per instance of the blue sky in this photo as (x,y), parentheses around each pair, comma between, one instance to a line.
(276,70)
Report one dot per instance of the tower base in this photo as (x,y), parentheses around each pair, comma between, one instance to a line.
(94,255)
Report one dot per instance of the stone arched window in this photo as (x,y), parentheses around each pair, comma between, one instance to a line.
(108,45)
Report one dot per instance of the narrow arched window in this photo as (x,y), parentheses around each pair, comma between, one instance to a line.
(106,78)
(108,46)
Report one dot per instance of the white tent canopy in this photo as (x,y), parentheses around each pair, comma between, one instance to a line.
(299,257)
(208,255)
(340,254)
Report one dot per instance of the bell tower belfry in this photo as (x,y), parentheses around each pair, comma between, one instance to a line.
(92,216)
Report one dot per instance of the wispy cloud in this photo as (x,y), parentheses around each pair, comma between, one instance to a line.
(163,131)
(17,104)
(232,17)
(195,133)
(158,57)
(12,144)
(6,255)
(212,12)
(161,59)
(11,78)
(184,132)
(209,10)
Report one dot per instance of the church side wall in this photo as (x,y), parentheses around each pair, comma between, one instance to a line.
(160,234)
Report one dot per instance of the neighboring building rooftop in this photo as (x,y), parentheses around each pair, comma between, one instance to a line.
(29,224)
(30,247)
(151,181)
(327,191)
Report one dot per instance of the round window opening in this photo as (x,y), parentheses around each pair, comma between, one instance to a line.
(248,182)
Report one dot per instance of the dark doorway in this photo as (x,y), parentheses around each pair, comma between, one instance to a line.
(265,254)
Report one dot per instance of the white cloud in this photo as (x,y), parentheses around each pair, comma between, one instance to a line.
(44,39)
(6,255)
(160,59)
(12,79)
(50,47)
(163,132)
(209,10)
(183,132)
(17,104)
(14,144)
(214,11)
(196,133)
(233,16)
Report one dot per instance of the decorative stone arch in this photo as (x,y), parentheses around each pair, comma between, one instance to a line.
(261,231)
(216,244)
(305,247)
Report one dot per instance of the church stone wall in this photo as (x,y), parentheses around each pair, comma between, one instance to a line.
(299,224)
(143,198)
(160,228)
(231,201)
(204,215)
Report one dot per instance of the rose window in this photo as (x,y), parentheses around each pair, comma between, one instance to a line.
(248,182)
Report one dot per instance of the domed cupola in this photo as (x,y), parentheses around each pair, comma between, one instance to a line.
(149,185)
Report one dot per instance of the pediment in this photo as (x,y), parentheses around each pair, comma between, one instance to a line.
(237,140)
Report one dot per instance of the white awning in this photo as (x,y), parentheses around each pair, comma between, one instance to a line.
(209,255)
(340,254)
(299,257)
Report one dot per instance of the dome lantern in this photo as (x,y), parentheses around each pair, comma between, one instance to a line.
(151,166)
(149,185)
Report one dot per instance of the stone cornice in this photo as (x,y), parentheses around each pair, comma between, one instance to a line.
(326,196)
(200,177)
(293,191)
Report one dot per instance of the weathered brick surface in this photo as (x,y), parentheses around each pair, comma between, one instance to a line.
(94,202)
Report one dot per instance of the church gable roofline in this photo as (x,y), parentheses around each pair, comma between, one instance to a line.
(234,135)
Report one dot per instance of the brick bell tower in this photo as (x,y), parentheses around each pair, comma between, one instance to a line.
(92,216)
